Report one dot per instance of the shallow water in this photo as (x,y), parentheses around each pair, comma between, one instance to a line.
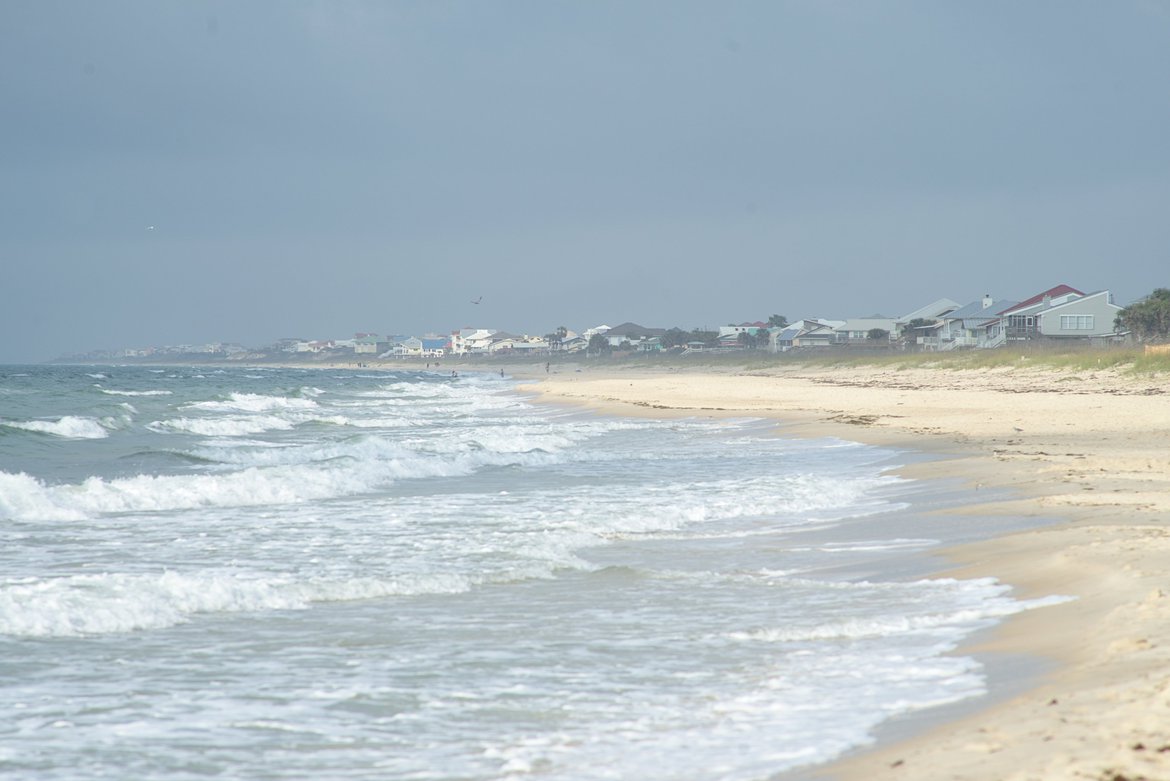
(283,573)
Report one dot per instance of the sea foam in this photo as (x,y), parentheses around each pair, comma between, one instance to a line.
(111,392)
(68,427)
(27,498)
(118,602)
(226,426)
(254,402)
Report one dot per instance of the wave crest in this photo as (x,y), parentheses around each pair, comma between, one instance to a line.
(68,427)
(111,603)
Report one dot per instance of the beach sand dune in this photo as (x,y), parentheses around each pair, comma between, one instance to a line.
(1091,449)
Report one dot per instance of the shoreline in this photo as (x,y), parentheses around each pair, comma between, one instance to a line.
(1089,450)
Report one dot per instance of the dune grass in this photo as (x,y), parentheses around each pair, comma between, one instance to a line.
(1129,360)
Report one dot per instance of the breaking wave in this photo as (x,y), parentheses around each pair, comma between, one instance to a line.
(111,392)
(68,427)
(111,603)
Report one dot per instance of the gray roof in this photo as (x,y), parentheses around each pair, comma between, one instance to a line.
(634,330)
(931,311)
(976,311)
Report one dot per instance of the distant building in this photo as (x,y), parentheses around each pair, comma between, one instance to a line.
(931,312)
(470,340)
(1021,322)
(435,346)
(314,346)
(729,335)
(632,333)
(594,331)
(369,344)
(1089,317)
(573,344)
(857,330)
(972,325)
(405,347)
(807,333)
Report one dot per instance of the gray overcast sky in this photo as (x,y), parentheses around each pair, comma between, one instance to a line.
(313,169)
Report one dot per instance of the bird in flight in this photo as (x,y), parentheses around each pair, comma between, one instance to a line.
(477,300)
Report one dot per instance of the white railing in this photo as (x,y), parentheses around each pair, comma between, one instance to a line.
(947,342)
(995,341)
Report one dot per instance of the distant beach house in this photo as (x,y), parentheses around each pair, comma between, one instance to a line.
(729,335)
(573,344)
(786,339)
(633,333)
(369,344)
(314,346)
(930,313)
(808,333)
(1021,322)
(471,340)
(435,346)
(502,341)
(818,334)
(1061,313)
(1089,316)
(857,330)
(594,331)
(1058,313)
(404,347)
(742,328)
(967,326)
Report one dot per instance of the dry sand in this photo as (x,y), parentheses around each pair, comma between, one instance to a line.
(1092,449)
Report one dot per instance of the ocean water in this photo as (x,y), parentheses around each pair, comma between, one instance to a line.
(286,574)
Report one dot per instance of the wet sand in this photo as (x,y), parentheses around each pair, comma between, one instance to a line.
(1091,449)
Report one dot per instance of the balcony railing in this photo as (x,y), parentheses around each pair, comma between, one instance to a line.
(947,342)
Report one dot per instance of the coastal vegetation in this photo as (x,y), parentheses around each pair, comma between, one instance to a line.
(1130,359)
(1148,319)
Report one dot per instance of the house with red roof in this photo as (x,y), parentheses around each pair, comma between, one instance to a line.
(1077,317)
(1061,312)
(1022,321)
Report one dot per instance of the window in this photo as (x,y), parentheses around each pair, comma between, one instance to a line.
(1076,322)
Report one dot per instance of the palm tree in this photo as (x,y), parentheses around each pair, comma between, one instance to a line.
(556,339)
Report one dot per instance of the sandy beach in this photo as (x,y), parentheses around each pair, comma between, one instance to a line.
(1090,450)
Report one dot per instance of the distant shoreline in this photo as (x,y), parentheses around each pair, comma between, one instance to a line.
(1062,357)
